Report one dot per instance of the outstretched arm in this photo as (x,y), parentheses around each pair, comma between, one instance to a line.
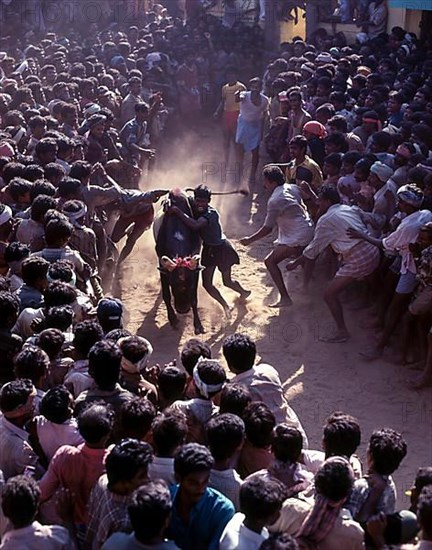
(195,225)
(262,232)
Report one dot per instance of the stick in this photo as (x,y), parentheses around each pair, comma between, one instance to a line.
(243,192)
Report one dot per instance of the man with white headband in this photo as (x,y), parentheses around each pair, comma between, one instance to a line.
(209,378)
(5,229)
(16,405)
(410,199)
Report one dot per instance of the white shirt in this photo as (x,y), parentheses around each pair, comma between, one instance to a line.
(15,451)
(238,537)
(264,384)
(405,234)
(53,436)
(162,468)
(331,230)
(286,209)
(38,537)
(250,112)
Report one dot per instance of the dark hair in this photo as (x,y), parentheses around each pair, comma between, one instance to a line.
(352,157)
(12,170)
(382,139)
(134,348)
(115,334)
(80,170)
(86,334)
(60,317)
(16,252)
(335,159)
(136,417)
(239,351)
(279,541)
(68,188)
(192,350)
(274,174)
(339,122)
(104,364)
(18,187)
(225,434)
(338,140)
(33,269)
(329,193)
(211,372)
(57,231)
(95,422)
(342,435)
(234,399)
(202,192)
(126,459)
(424,510)
(259,424)
(287,443)
(192,458)
(149,510)
(423,478)
(20,500)
(33,172)
(61,270)
(53,169)
(9,309)
(299,141)
(55,405)
(59,294)
(171,382)
(261,498)
(42,187)
(14,394)
(335,479)
(45,145)
(32,363)
(40,206)
(387,448)
(169,431)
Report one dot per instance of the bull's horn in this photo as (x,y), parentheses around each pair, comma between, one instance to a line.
(194,261)
(168,264)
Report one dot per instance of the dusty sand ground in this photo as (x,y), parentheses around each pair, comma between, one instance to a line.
(319,378)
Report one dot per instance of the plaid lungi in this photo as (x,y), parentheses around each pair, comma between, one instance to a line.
(360,261)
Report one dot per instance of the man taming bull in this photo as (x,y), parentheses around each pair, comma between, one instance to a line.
(217,251)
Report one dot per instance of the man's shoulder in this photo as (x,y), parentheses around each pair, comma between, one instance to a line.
(218,501)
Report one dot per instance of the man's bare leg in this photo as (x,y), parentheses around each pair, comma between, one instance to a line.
(395,311)
(425,379)
(331,297)
(272,261)
(207,278)
(254,167)
(234,285)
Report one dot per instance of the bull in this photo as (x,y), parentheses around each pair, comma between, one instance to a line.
(178,247)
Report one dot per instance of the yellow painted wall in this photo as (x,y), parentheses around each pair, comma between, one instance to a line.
(288,29)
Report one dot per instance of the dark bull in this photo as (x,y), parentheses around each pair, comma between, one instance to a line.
(178,247)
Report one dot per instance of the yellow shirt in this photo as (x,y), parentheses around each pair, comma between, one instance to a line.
(228,95)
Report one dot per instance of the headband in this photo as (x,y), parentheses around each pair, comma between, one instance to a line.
(374,121)
(72,281)
(74,216)
(306,68)
(138,367)
(204,389)
(22,409)
(6,215)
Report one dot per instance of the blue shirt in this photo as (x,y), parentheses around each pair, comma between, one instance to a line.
(207,520)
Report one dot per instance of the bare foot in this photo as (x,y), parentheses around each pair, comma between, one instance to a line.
(420,383)
(228,310)
(371,355)
(283,302)
(339,337)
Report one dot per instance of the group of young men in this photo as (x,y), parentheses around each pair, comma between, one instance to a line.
(99,447)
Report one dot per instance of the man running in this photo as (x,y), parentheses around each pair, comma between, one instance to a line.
(286,211)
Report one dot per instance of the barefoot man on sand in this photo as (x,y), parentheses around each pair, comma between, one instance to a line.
(287,211)
(359,258)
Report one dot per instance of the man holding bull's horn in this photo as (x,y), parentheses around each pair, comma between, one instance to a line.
(217,251)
